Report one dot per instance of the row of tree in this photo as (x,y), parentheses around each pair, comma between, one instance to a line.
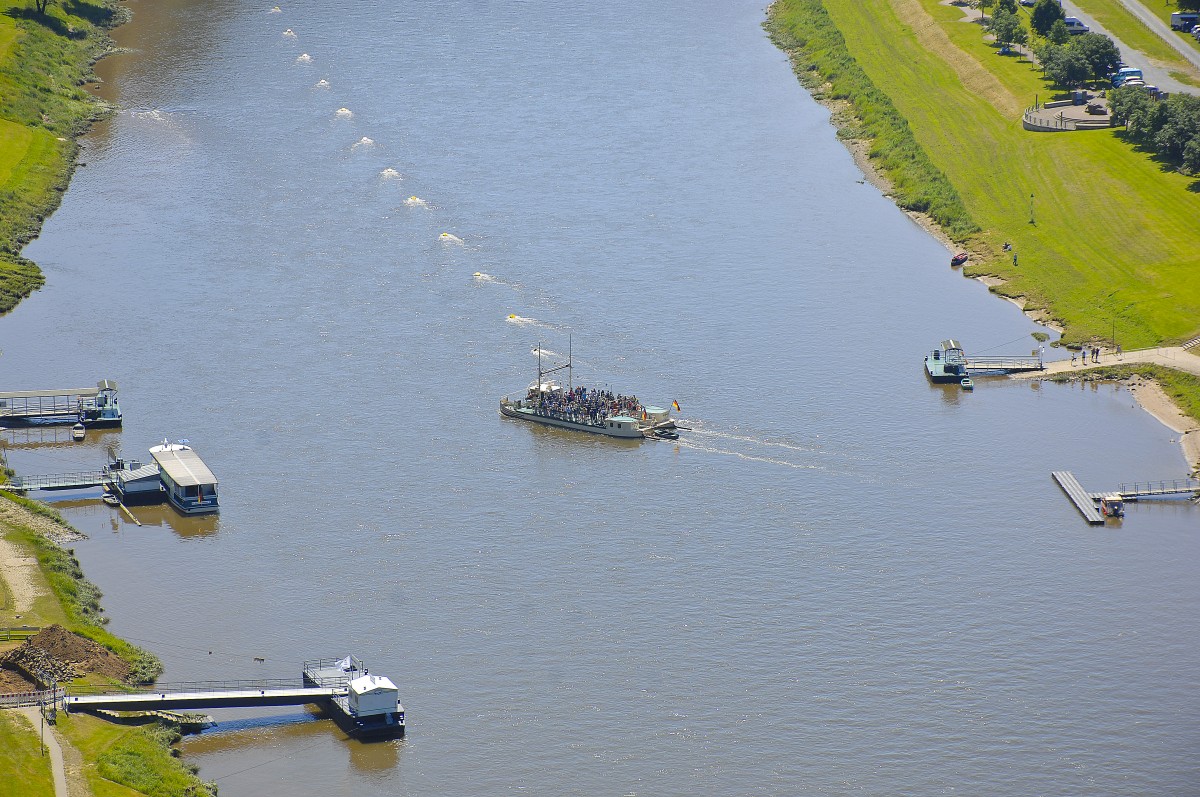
(1087,56)
(1171,128)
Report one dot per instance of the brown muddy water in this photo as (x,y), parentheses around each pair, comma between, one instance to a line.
(843,580)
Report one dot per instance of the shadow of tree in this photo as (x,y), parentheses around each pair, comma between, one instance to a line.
(95,14)
(46,21)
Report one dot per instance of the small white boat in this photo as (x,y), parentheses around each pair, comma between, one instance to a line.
(967,384)
(110,499)
(78,431)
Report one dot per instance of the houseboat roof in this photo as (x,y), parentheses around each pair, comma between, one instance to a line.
(951,344)
(144,472)
(82,392)
(369,683)
(183,466)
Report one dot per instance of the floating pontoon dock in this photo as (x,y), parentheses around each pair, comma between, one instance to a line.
(1086,502)
(91,406)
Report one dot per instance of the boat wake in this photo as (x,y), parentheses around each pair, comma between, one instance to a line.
(344,113)
(363,143)
(416,202)
(553,355)
(684,442)
(304,58)
(321,84)
(522,321)
(450,238)
(390,174)
(289,34)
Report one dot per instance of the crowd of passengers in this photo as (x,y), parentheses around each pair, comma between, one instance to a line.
(585,406)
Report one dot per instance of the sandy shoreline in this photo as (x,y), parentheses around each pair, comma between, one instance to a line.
(1153,400)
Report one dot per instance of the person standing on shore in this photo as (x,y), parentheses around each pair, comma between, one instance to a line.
(1083,354)
(1072,359)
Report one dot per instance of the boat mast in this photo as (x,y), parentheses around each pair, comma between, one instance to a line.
(570,358)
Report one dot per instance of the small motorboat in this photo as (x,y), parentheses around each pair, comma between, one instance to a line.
(958,259)
(1112,506)
(110,499)
(967,384)
(78,431)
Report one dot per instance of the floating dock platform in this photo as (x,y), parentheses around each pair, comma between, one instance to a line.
(92,406)
(1088,502)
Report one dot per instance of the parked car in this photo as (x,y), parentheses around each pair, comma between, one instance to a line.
(1031,3)
(1075,25)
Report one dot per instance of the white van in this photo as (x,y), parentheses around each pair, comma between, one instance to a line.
(1075,26)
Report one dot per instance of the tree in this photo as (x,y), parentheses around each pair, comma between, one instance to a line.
(1045,13)
(1181,125)
(1191,155)
(1100,51)
(1008,5)
(1133,107)
(1058,32)
(1066,67)
(1004,27)
(42,5)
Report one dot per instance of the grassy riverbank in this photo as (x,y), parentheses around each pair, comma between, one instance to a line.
(44,62)
(117,760)
(1113,238)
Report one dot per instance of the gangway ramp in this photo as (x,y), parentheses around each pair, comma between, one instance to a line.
(200,696)
(77,480)
(1080,497)
(983,366)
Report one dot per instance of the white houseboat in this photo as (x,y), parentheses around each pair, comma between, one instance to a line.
(190,486)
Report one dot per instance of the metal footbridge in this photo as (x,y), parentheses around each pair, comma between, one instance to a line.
(201,695)
(996,366)
(77,480)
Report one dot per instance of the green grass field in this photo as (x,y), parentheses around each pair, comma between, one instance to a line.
(24,772)
(1115,237)
(43,107)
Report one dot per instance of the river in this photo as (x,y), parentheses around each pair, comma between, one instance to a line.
(842,580)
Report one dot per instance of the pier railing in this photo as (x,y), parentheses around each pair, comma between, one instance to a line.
(1004,364)
(189,687)
(1150,489)
(59,481)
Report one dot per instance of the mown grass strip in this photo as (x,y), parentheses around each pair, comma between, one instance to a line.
(26,771)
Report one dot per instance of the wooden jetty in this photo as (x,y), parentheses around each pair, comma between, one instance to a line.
(91,406)
(1079,496)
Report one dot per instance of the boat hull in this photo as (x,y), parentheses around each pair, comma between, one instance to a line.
(628,432)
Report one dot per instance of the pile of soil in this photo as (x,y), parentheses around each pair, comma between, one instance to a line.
(56,653)
(12,683)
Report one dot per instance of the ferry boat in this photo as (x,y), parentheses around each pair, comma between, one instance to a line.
(583,409)
(947,364)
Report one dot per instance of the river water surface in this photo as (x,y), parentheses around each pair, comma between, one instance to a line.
(842,580)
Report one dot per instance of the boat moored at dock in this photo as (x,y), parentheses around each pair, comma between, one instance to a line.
(94,407)
(947,363)
(583,409)
(190,486)
(364,706)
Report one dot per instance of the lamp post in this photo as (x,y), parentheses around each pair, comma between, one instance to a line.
(1031,221)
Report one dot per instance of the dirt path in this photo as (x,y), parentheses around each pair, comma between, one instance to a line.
(16,570)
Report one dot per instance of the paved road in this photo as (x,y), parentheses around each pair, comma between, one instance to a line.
(1154,75)
(1157,21)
